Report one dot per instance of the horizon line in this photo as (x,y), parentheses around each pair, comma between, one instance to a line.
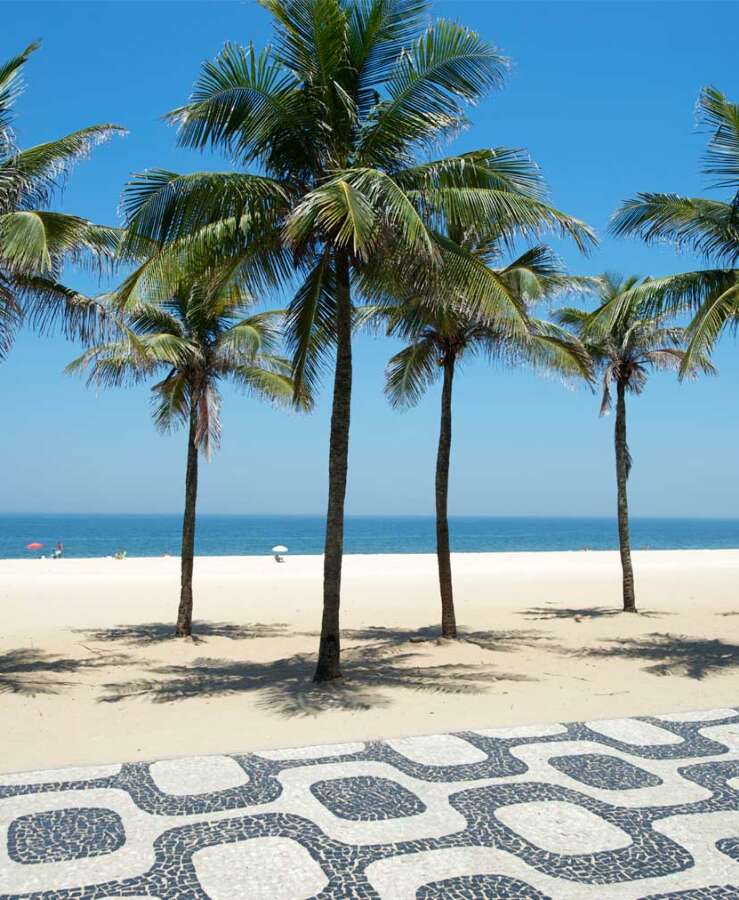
(315,515)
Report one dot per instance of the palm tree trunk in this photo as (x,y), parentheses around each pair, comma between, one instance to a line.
(184,614)
(329,650)
(622,473)
(448,620)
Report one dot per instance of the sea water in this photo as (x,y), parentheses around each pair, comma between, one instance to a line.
(217,535)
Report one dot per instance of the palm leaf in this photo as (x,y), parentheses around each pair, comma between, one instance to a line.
(410,372)
(11,86)
(708,227)
(309,323)
(448,66)
(37,172)
(722,156)
(244,101)
(163,206)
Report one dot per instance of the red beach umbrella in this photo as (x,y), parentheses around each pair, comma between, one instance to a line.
(34,545)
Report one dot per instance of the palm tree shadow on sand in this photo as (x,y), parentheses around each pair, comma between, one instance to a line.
(142,635)
(285,685)
(670,654)
(28,671)
(550,613)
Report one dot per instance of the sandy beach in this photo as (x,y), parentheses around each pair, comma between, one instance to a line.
(90,674)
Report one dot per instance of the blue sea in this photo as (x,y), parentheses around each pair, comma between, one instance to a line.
(154,535)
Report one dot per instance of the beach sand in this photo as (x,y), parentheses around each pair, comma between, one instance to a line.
(89,672)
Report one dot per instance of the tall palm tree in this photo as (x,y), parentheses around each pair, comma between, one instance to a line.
(35,242)
(335,118)
(445,331)
(709,227)
(625,348)
(204,333)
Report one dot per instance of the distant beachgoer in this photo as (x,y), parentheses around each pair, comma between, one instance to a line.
(278,552)
(58,551)
(120,554)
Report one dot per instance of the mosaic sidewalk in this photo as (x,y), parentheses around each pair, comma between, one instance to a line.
(629,808)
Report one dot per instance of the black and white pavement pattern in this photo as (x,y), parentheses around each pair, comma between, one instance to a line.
(603,810)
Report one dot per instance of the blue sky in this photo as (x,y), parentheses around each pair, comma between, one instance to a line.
(602,94)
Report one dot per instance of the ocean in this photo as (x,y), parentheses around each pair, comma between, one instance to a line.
(154,535)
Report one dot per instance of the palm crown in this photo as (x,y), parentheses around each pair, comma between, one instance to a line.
(626,346)
(440,332)
(197,338)
(707,226)
(35,242)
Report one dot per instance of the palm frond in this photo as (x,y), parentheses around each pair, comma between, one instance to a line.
(554,349)
(11,86)
(399,215)
(163,206)
(248,338)
(410,372)
(246,102)
(309,323)
(448,66)
(50,306)
(708,227)
(207,403)
(171,401)
(274,386)
(339,210)
(378,30)
(722,155)
(33,242)
(716,312)
(11,316)
(506,169)
(311,36)
(35,173)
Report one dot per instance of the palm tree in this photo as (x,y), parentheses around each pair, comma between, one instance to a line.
(626,347)
(204,333)
(708,227)
(35,242)
(334,118)
(445,331)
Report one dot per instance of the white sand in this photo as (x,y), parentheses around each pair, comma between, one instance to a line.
(88,673)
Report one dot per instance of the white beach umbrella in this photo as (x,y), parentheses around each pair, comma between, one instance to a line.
(279,549)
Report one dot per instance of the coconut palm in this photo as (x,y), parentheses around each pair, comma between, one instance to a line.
(35,242)
(709,227)
(626,348)
(444,332)
(206,332)
(334,119)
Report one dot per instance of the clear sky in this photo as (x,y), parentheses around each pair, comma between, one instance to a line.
(602,94)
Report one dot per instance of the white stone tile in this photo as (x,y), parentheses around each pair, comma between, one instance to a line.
(269,868)
(311,752)
(438,750)
(632,731)
(523,731)
(73,773)
(561,827)
(197,775)
(699,716)
(399,877)
(728,735)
